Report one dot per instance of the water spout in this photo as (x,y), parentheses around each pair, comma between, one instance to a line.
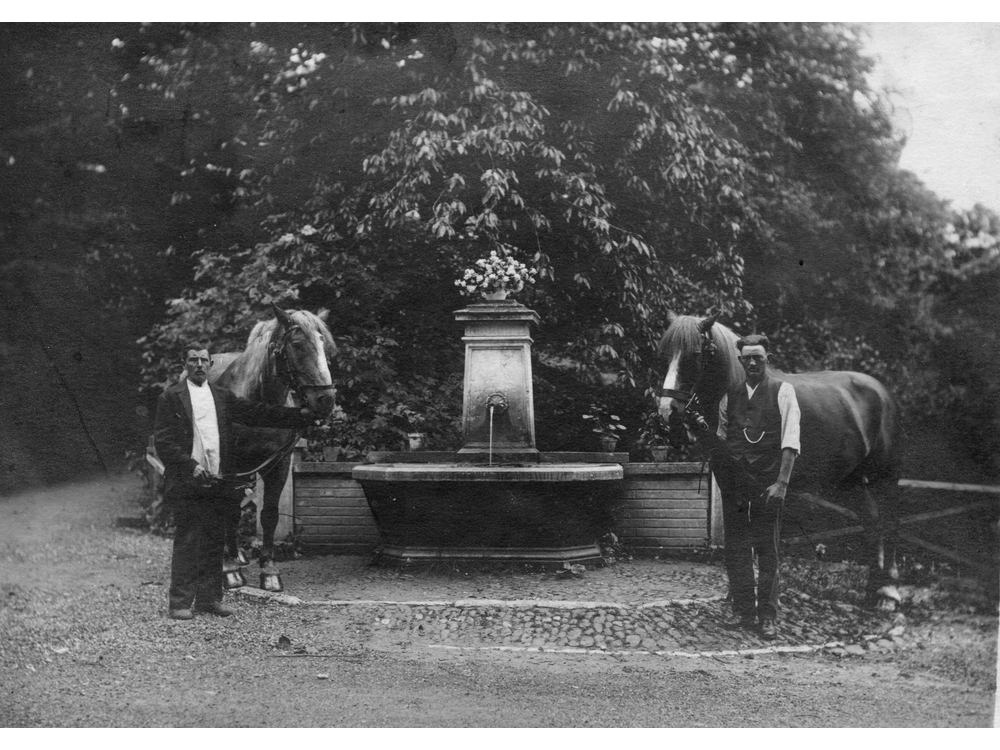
(495,402)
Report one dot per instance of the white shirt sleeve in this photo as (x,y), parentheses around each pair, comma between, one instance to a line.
(788,405)
(723,419)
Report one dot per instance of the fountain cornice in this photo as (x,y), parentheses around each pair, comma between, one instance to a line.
(499,310)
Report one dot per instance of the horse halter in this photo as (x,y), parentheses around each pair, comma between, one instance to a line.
(286,365)
(692,404)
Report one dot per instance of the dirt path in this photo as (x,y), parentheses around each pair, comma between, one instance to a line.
(87,643)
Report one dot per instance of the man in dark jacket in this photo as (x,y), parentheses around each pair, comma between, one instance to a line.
(759,421)
(193,439)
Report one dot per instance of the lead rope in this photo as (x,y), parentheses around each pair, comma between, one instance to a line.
(244,479)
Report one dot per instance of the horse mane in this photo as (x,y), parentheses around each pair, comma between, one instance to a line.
(251,369)
(684,335)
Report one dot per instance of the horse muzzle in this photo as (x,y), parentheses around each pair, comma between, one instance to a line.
(680,400)
(321,400)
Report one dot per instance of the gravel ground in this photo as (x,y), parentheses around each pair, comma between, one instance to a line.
(87,642)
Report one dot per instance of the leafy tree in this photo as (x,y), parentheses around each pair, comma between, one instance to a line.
(964,312)
(741,168)
(638,168)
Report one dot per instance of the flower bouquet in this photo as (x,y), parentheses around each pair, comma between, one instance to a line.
(496,276)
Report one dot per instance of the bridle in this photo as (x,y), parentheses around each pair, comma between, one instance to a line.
(708,352)
(285,365)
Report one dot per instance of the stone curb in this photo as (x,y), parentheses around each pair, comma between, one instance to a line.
(512,603)
(639,652)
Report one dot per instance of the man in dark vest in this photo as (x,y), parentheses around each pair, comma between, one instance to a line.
(759,422)
(194,440)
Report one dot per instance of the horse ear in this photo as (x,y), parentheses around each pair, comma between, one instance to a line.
(284,319)
(671,317)
(323,314)
(706,325)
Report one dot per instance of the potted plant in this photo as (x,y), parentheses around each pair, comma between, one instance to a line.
(497,276)
(415,428)
(322,440)
(607,426)
(655,437)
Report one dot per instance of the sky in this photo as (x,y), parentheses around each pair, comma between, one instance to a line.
(943,81)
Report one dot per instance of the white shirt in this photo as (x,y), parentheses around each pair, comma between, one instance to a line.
(788,406)
(205,449)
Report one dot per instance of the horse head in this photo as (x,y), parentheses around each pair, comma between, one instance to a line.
(699,353)
(303,347)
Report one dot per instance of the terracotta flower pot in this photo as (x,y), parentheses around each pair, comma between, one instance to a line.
(417,440)
(608,444)
(659,453)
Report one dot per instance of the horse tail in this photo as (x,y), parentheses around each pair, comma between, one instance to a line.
(884,461)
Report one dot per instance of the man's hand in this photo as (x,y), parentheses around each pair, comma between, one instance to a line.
(775,494)
(202,474)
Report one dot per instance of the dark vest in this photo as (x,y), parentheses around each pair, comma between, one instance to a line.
(753,433)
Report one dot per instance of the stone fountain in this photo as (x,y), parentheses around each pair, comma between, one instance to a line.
(498,497)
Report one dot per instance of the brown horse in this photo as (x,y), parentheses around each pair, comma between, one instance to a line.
(286,361)
(849,433)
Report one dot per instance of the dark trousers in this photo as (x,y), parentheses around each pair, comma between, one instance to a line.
(751,526)
(196,575)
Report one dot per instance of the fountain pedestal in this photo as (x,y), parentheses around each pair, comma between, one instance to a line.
(498,408)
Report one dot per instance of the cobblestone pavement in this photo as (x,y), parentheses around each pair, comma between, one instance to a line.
(655,606)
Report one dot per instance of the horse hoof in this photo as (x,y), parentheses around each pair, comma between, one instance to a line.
(230,564)
(235,579)
(271,582)
(887,599)
(890,592)
(242,559)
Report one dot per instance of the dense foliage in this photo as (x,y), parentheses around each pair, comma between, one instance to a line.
(746,169)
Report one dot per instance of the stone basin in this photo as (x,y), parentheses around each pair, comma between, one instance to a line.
(530,512)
